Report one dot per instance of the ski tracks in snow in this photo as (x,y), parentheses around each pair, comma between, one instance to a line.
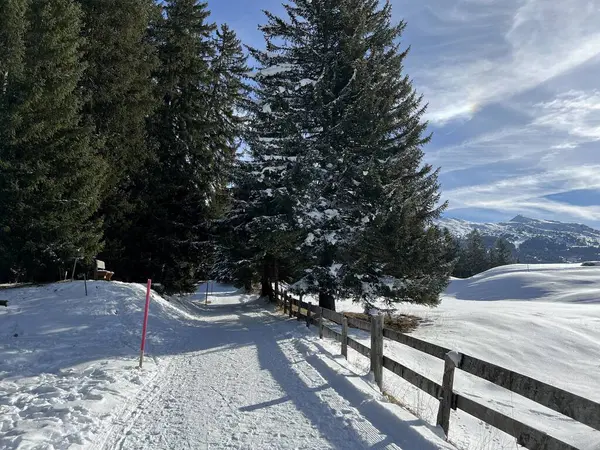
(257,381)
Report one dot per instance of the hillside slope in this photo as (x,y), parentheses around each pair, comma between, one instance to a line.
(568,283)
(67,360)
(227,374)
(539,320)
(536,241)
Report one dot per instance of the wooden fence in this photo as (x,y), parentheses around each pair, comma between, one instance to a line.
(578,408)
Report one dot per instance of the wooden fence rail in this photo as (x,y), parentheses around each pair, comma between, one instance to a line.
(576,407)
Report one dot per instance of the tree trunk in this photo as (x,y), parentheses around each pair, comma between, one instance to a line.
(327,300)
(266,289)
(276,277)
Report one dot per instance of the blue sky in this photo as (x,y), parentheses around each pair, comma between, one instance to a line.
(514,100)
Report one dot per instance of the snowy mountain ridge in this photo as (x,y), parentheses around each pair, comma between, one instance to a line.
(535,240)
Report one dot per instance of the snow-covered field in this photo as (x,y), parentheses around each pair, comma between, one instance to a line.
(542,321)
(67,361)
(230,374)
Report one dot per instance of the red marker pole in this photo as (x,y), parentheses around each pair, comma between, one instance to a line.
(145,323)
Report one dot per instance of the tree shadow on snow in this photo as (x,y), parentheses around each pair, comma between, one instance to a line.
(331,419)
(80,332)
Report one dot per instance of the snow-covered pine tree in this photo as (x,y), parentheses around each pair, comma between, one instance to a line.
(398,260)
(51,176)
(260,240)
(119,96)
(354,122)
(235,251)
(229,96)
(228,100)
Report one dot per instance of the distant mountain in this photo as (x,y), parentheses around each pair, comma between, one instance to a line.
(536,241)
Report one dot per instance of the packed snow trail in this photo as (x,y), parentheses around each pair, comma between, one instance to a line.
(258,381)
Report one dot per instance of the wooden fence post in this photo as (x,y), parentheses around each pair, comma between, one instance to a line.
(284,299)
(451,362)
(308,311)
(320,322)
(299,315)
(345,337)
(377,349)
(291,300)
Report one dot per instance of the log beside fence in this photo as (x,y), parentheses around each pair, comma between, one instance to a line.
(566,403)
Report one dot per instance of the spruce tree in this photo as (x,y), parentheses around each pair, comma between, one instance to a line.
(196,132)
(476,255)
(259,240)
(52,178)
(13,24)
(236,252)
(228,98)
(501,253)
(118,89)
(350,118)
(461,269)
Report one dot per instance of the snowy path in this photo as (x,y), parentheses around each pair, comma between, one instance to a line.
(257,381)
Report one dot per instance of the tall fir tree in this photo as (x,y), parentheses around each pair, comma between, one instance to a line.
(352,122)
(476,255)
(501,253)
(228,102)
(236,252)
(196,131)
(13,23)
(51,178)
(119,97)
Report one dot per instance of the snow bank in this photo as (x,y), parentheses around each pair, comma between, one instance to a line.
(566,283)
(68,362)
(539,320)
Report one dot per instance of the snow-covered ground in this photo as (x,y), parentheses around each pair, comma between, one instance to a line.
(542,321)
(227,374)
(232,374)
(67,360)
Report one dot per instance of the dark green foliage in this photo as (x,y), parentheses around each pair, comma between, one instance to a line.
(51,178)
(420,259)
(343,130)
(476,255)
(119,97)
(195,131)
(13,24)
(501,254)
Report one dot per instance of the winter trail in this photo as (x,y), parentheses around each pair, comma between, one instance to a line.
(262,382)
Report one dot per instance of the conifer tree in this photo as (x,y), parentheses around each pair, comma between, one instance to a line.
(228,97)
(259,239)
(331,81)
(13,24)
(476,255)
(196,131)
(236,252)
(52,178)
(501,254)
(118,89)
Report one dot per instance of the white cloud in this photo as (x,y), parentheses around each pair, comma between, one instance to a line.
(555,131)
(528,42)
(575,112)
(526,194)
